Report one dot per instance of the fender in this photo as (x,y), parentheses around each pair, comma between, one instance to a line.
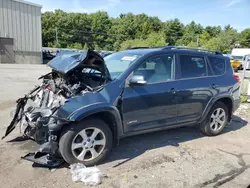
(211,103)
(95,108)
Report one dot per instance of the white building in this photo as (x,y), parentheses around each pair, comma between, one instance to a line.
(20,32)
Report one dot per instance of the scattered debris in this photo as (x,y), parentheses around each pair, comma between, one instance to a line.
(89,176)
(126,177)
(53,170)
(243,99)
(44,160)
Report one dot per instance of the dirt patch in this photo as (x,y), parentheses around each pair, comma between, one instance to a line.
(223,178)
(156,161)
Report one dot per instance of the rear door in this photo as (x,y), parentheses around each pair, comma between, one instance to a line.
(196,87)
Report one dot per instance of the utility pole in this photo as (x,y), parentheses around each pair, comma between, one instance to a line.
(56,36)
(198,40)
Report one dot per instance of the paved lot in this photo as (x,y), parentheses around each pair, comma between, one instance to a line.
(175,158)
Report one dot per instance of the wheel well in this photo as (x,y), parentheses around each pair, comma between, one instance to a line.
(109,119)
(228,102)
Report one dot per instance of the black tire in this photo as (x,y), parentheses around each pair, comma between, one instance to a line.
(69,133)
(205,126)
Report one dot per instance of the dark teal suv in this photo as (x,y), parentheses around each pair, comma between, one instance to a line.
(142,90)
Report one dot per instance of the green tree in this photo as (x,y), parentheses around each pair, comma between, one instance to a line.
(228,27)
(153,40)
(213,31)
(75,45)
(48,32)
(191,34)
(213,44)
(100,25)
(173,30)
(78,29)
(224,42)
(245,38)
(100,31)
(203,38)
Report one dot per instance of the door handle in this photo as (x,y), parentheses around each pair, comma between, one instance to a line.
(214,86)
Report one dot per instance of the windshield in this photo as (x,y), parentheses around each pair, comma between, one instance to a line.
(237,57)
(119,62)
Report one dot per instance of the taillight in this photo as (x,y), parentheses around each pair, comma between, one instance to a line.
(237,78)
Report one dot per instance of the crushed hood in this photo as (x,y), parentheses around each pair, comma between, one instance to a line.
(68,62)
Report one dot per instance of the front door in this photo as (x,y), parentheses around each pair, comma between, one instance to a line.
(152,105)
(6,50)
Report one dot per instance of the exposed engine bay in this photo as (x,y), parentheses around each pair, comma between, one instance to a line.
(36,112)
(43,102)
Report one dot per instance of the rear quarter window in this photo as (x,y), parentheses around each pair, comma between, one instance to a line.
(217,65)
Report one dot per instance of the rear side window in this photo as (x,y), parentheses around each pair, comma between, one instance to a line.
(217,65)
(192,66)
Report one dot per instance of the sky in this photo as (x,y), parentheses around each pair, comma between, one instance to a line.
(206,12)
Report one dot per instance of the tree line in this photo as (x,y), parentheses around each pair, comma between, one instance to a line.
(99,31)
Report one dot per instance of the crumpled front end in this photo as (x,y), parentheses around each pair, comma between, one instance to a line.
(35,115)
(36,112)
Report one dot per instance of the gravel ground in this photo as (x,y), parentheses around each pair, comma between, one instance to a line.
(175,158)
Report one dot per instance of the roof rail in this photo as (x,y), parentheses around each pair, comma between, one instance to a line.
(145,47)
(194,49)
(141,47)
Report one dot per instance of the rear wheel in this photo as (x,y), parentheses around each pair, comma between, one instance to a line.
(87,142)
(216,120)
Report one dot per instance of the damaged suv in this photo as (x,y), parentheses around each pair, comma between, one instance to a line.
(87,103)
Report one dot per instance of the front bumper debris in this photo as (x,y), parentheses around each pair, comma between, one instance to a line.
(47,155)
(43,160)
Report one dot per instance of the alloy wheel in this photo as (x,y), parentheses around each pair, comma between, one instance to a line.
(88,144)
(217,119)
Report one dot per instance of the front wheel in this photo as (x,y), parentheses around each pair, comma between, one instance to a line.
(87,142)
(216,120)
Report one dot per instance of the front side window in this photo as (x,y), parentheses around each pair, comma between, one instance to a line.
(217,65)
(192,66)
(157,69)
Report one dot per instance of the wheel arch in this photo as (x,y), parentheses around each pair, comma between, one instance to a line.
(227,100)
(110,115)
(229,103)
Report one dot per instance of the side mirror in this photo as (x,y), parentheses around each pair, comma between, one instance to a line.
(137,80)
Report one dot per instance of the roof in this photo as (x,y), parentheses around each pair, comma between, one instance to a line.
(28,3)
